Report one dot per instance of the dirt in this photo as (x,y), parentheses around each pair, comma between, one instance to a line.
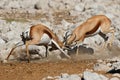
(38,69)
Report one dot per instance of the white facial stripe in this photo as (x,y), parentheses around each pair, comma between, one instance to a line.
(26,33)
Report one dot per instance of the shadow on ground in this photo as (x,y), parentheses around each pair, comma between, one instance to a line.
(84,54)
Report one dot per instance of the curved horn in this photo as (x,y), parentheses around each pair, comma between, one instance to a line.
(74,41)
(73,44)
(66,36)
(68,46)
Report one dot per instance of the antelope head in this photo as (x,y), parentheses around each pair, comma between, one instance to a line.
(65,41)
(25,37)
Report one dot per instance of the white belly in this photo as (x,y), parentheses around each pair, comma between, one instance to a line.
(45,39)
(98,30)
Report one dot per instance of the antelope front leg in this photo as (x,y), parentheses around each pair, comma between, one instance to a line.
(15,46)
(30,42)
(28,54)
(6,60)
(47,52)
(111,39)
(10,53)
(77,47)
(79,43)
(77,50)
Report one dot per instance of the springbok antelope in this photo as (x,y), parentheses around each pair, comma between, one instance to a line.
(39,35)
(94,25)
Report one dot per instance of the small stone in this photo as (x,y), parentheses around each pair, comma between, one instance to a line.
(50,77)
(101,67)
(79,7)
(93,76)
(109,64)
(64,75)
(2,41)
(116,75)
(74,77)
(5,61)
(114,78)
(99,61)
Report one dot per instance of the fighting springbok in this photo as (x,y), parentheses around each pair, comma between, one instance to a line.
(39,35)
(94,25)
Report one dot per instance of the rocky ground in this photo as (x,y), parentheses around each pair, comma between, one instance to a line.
(92,63)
